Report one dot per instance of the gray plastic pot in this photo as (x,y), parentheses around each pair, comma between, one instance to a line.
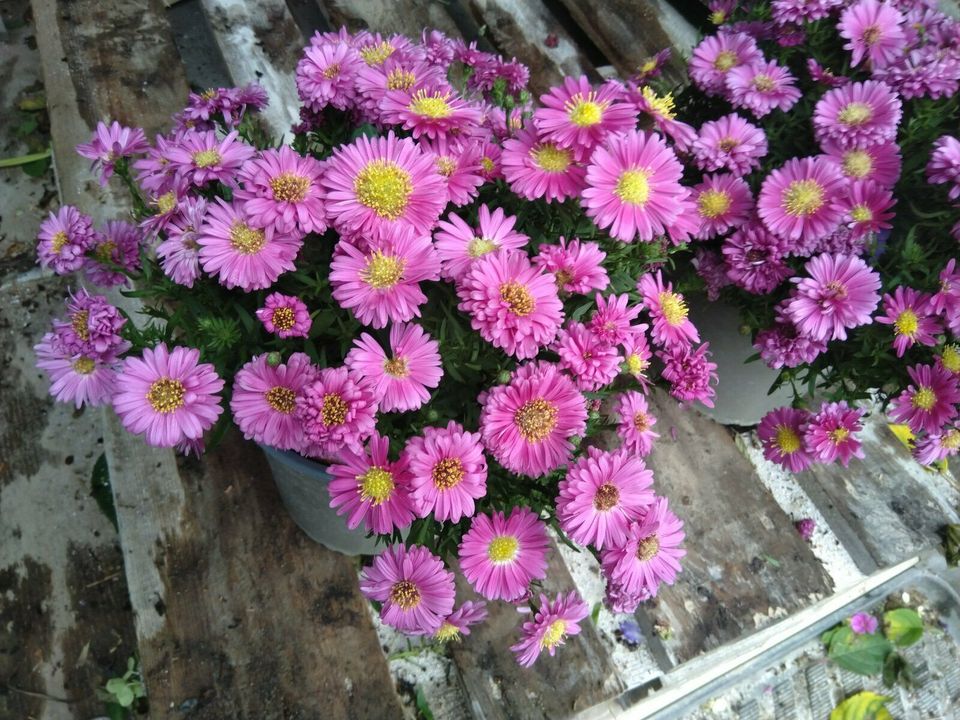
(303,487)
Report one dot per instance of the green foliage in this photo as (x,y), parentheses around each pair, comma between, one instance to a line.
(903,626)
(101,490)
(121,693)
(423,707)
(862,654)
(864,705)
(951,544)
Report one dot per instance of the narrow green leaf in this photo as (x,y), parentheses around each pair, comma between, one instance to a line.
(101,491)
(24,159)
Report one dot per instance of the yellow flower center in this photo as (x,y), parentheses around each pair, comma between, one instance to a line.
(209,94)
(396,367)
(281,399)
(924,398)
(787,440)
(585,111)
(951,440)
(727,144)
(551,158)
(400,79)
(288,187)
(536,419)
(58,240)
(726,59)
(166,395)
(861,213)
(839,435)
(950,358)
(79,324)
(503,549)
(633,187)
(763,83)
(405,595)
(855,113)
(334,410)
(245,239)
(478,247)
(906,323)
(488,165)
(641,421)
(636,365)
(661,106)
(104,251)
(447,632)
(554,634)
(713,203)
(607,497)
(84,365)
(384,187)
(374,55)
(648,65)
(283,318)
(375,485)
(331,71)
(673,308)
(871,34)
(206,158)
(382,271)
(431,106)
(717,17)
(446,166)
(857,163)
(447,473)
(562,277)
(518,298)
(167,202)
(803,197)
(647,548)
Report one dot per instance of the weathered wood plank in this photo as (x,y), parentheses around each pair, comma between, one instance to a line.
(387,16)
(578,677)
(745,564)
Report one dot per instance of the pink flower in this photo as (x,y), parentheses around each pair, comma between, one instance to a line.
(577,267)
(929,402)
(327,75)
(117,245)
(459,164)
(240,254)
(603,492)
(716,55)
(511,303)
(830,434)
(944,165)
(761,87)
(611,321)
(460,246)
(285,316)
(199,157)
(635,422)
(78,377)
(782,346)
(448,472)
(167,396)
(576,116)
(432,112)
(109,144)
(946,301)
(618,599)
(874,31)
(633,186)
(282,188)
(382,283)
(879,163)
(460,620)
(730,143)
(591,360)
(401,381)
(527,424)
(865,206)
(711,269)
(373,82)
(858,115)
(932,449)
(540,169)
(64,239)
(337,411)
(723,202)
(416,590)
(637,354)
(802,11)
(264,400)
(500,556)
(754,259)
(93,327)
(367,487)
(839,294)
(805,528)
(671,326)
(781,434)
(799,201)
(661,109)
(823,75)
(863,623)
(690,373)
(912,318)
(180,254)
(553,623)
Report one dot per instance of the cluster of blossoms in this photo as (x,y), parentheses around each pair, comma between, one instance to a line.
(391,296)
(809,243)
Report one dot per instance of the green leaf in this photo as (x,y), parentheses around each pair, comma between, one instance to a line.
(903,626)
(120,690)
(101,491)
(864,705)
(423,707)
(896,668)
(951,544)
(595,615)
(116,711)
(24,159)
(37,167)
(862,654)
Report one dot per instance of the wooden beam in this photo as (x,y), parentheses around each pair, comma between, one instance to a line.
(388,16)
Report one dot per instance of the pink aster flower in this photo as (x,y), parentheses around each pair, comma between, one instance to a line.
(761,87)
(949,359)
(635,422)
(723,202)
(633,186)
(576,116)
(179,254)
(929,402)
(285,316)
(799,201)
(935,448)
(611,321)
(866,205)
(786,12)
(591,360)
(460,245)
(874,32)
(433,112)
(944,165)
(618,599)
(109,144)
(690,373)
(459,621)
(376,186)
(168,396)
(754,259)
(374,81)
(78,377)
(858,115)
(459,164)
(114,255)
(239,254)
(831,433)
(527,425)
(512,304)
(864,623)
(840,293)
(637,354)
(782,346)
(823,75)
(928,71)
(282,188)
(200,157)
(64,239)
(730,143)
(602,493)
(712,270)
(382,283)
(327,75)
(877,163)
(671,326)
(577,266)
(716,55)
(500,556)
(368,487)
(416,589)
(403,379)
(946,301)
(540,169)
(92,327)
(662,110)
(781,434)
(651,554)
(448,472)
(337,411)
(912,318)
(553,623)
(264,400)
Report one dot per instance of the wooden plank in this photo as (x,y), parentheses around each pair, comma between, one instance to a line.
(388,16)
(579,676)
(745,564)
(891,505)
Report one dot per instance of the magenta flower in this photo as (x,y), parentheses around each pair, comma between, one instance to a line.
(781,434)
(117,246)
(944,165)
(374,81)
(367,487)
(553,623)
(823,75)
(716,55)
(878,163)
(912,317)
(831,433)
(866,207)
(64,239)
(636,358)
(602,493)
(93,326)
(858,115)
(730,143)
(633,187)
(416,589)
(337,412)
(799,201)
(874,32)
(577,266)
(786,12)
(81,378)
(576,116)
(109,144)
(285,316)
(712,270)
(459,163)
(460,246)
(935,448)
(671,326)
(782,346)
(754,259)
(864,623)
(540,169)
(612,319)
(761,87)
(635,422)
(946,301)
(690,373)
(500,556)
(618,599)
(590,359)
(432,112)
(448,472)
(661,110)
(282,189)
(805,528)
(167,396)
(403,379)
(723,202)
(200,157)
(839,294)
(179,254)
(327,75)
(929,402)
(264,400)
(459,621)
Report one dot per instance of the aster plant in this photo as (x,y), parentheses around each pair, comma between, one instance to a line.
(440,291)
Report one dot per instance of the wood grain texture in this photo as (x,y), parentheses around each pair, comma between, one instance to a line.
(745,563)
(388,17)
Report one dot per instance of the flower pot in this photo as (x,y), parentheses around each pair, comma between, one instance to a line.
(303,486)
